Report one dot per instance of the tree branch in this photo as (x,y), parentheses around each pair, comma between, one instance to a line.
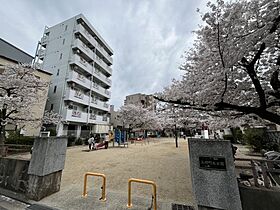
(259,111)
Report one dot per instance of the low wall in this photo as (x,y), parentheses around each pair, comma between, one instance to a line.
(256,198)
(14,174)
(40,176)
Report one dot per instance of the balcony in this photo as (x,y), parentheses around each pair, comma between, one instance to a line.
(76,96)
(102,77)
(82,63)
(41,54)
(80,29)
(104,53)
(44,41)
(75,116)
(99,120)
(84,49)
(100,90)
(84,117)
(79,79)
(99,105)
(92,116)
(103,65)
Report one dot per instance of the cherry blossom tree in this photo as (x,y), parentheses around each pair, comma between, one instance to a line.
(138,117)
(20,89)
(234,64)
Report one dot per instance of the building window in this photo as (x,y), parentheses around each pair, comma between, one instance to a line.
(63,41)
(54,90)
(60,56)
(51,107)
(57,73)
(66,27)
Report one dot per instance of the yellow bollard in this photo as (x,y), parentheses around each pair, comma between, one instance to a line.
(103,197)
(129,204)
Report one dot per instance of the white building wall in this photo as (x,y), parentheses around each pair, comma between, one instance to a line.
(59,42)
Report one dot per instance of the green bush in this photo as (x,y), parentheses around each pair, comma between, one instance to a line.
(71,140)
(15,138)
(52,131)
(229,137)
(238,135)
(255,138)
(79,141)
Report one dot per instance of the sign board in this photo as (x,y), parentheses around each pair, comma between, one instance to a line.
(212,163)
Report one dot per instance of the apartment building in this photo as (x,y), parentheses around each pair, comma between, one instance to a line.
(146,101)
(10,54)
(80,61)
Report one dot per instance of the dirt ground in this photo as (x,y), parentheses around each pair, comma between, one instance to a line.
(159,161)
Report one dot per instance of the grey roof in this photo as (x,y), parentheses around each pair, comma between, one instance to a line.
(11,52)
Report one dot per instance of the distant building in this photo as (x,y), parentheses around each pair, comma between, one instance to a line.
(80,61)
(9,54)
(146,101)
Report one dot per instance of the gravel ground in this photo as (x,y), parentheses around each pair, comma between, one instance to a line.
(159,161)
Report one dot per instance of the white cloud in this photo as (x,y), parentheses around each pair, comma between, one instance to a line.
(148,37)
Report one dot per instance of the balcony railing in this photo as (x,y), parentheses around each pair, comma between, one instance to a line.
(79,94)
(107,92)
(92,116)
(106,105)
(81,77)
(94,101)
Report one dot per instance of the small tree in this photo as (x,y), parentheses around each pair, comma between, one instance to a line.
(20,89)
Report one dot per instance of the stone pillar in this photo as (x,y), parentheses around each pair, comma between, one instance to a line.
(46,165)
(213,174)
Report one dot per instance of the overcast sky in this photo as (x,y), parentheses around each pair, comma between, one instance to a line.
(148,37)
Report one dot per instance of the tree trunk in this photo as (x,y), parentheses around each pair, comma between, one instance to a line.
(2,141)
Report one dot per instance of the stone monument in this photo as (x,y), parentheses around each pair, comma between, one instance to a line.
(213,174)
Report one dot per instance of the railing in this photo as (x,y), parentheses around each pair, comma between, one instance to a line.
(103,196)
(106,105)
(81,77)
(104,118)
(129,204)
(261,169)
(79,94)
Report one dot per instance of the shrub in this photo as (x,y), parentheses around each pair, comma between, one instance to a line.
(70,141)
(15,138)
(79,141)
(237,135)
(228,137)
(255,138)
(52,131)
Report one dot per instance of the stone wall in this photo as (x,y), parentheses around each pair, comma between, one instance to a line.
(13,174)
(273,136)
(257,198)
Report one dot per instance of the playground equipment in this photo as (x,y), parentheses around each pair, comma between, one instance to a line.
(129,204)
(120,137)
(103,196)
